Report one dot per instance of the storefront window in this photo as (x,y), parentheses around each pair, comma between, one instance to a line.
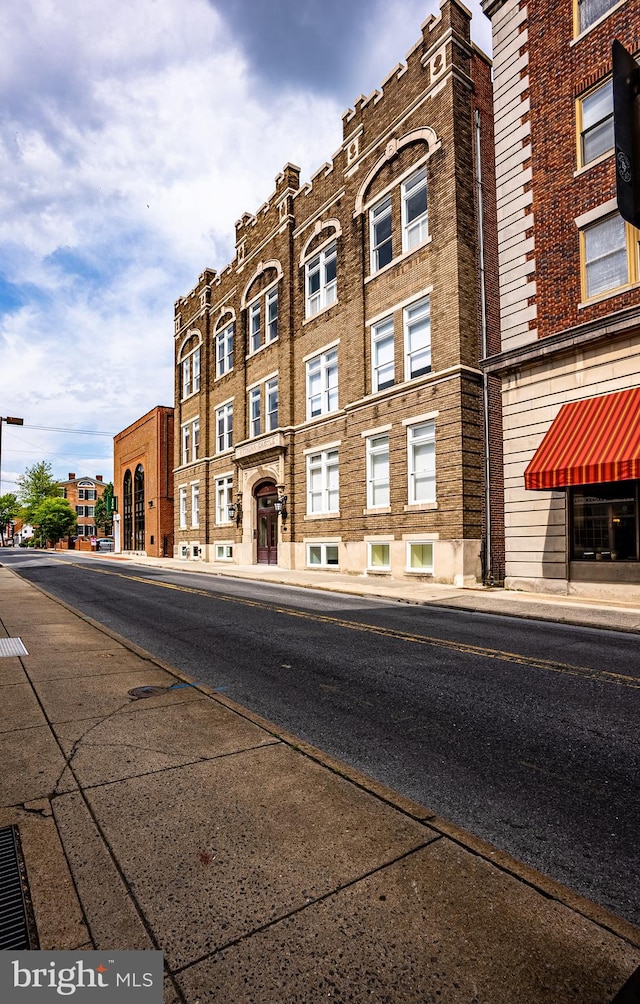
(605,522)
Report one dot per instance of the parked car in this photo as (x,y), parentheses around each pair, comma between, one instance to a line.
(104,544)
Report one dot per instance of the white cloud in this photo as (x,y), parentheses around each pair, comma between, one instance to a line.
(127,152)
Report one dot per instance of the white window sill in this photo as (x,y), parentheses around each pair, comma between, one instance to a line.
(382,510)
(421,507)
(593,163)
(594,24)
(261,348)
(310,516)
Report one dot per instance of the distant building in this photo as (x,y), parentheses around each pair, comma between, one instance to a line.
(143,484)
(569,299)
(330,409)
(82,495)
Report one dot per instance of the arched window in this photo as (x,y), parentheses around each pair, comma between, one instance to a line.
(127,512)
(138,508)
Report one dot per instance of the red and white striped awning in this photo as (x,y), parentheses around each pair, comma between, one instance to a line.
(589,442)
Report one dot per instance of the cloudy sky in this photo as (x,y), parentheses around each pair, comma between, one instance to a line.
(133,134)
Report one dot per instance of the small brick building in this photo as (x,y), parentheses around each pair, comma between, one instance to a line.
(143,484)
(330,409)
(82,495)
(569,269)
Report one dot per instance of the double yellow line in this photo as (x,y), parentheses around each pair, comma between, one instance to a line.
(533,662)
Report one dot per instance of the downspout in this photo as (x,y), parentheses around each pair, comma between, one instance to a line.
(488,573)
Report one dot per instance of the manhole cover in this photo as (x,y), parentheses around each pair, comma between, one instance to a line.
(139,692)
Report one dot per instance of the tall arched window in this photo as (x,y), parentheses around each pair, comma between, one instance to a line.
(138,508)
(127,512)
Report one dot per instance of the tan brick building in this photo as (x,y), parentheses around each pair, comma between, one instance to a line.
(570,299)
(143,484)
(82,495)
(330,409)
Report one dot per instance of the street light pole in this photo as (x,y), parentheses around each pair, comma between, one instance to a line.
(9,421)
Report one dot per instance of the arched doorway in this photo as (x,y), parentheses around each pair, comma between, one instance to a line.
(138,508)
(127,512)
(265,495)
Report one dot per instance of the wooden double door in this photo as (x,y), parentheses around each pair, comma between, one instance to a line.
(267,525)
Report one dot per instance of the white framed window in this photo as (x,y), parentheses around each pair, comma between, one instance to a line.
(191,373)
(224,350)
(255,326)
(421,464)
(378,471)
(322,554)
(609,256)
(195,505)
(271,393)
(321,280)
(587,12)
(224,427)
(263,320)
(224,552)
(87,493)
(182,495)
(322,384)
(272,315)
(224,498)
(382,355)
(595,123)
(381,234)
(378,556)
(190,441)
(420,556)
(417,339)
(322,482)
(414,210)
(254,412)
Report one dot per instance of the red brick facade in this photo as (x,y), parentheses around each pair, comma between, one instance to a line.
(380,328)
(82,494)
(143,484)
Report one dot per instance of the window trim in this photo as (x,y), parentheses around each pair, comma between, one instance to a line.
(189,378)
(323,255)
(323,545)
(379,335)
(419,221)
(406,326)
(223,484)
(411,471)
(182,507)
(195,505)
(378,543)
(224,410)
(385,208)
(632,249)
(581,132)
(224,338)
(325,464)
(326,390)
(372,452)
(419,543)
(579,32)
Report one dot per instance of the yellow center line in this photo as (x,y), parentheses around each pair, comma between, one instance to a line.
(534,662)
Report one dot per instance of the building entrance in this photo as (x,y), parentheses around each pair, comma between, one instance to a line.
(267,524)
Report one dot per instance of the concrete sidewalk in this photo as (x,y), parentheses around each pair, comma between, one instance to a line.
(265,872)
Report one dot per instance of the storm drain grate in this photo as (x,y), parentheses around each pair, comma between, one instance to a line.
(12,646)
(17,929)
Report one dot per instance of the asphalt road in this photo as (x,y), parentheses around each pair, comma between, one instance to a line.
(523,732)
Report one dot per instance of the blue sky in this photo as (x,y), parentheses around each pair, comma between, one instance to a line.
(128,139)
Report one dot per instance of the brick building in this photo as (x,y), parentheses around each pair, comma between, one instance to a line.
(330,409)
(82,495)
(570,299)
(143,484)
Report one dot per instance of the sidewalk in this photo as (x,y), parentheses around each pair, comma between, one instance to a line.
(266,873)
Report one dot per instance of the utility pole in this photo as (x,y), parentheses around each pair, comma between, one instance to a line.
(9,421)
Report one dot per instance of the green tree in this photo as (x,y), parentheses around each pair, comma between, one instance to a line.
(36,484)
(104,510)
(53,519)
(9,509)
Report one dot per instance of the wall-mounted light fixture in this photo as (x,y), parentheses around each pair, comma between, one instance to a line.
(234,510)
(280,504)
